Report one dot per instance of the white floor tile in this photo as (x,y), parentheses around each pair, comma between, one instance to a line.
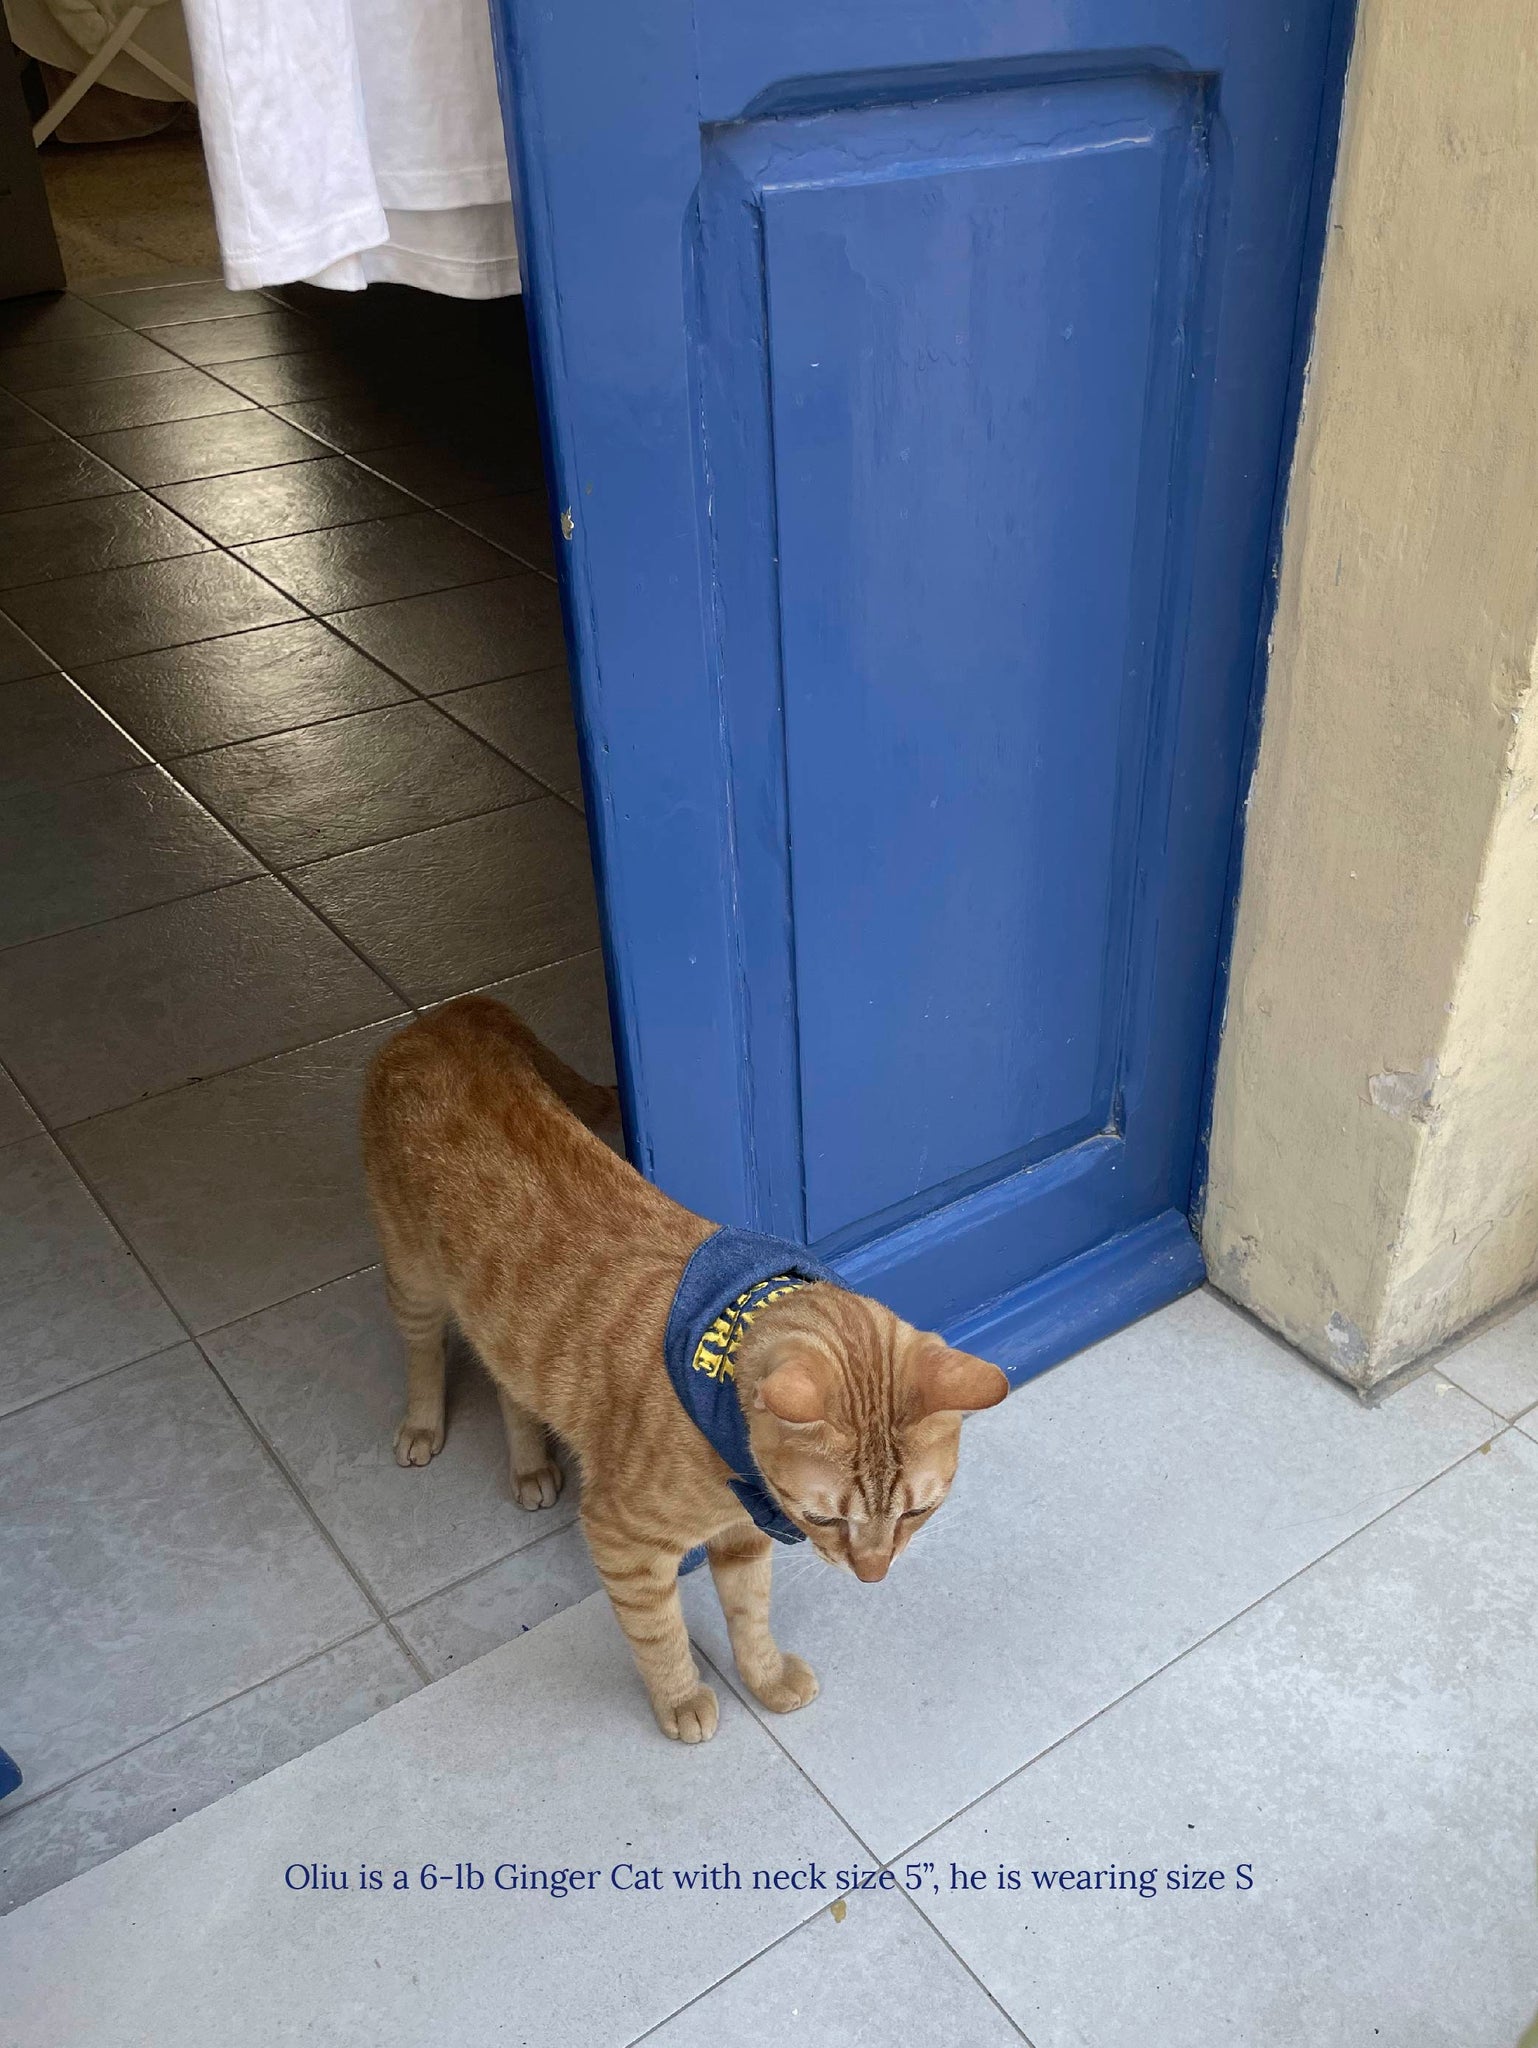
(1499,1366)
(242,1190)
(506,1600)
(1110,1515)
(879,1975)
(1364,1741)
(152,1564)
(53,1839)
(324,1379)
(543,1753)
(74,1301)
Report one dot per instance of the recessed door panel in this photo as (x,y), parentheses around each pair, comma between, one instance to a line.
(970,363)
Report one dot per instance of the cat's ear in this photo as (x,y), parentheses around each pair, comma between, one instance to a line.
(792,1392)
(955,1381)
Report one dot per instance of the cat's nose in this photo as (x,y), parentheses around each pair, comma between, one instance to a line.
(872,1570)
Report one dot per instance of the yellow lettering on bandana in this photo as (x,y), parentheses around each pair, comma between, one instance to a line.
(716,1353)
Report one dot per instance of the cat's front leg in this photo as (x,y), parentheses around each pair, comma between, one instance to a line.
(741,1563)
(642,1584)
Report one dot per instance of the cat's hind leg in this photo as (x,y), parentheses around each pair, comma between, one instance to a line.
(741,1563)
(421,1314)
(536,1477)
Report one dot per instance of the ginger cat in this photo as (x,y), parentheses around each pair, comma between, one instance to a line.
(497,1206)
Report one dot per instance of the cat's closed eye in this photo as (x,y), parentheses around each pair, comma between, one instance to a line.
(837,1521)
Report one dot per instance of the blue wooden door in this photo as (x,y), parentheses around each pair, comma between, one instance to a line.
(915,375)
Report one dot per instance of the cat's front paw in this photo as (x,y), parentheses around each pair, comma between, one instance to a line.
(793,1685)
(693,1719)
(539,1488)
(415,1445)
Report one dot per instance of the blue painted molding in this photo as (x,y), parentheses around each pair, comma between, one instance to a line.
(1316,236)
(1090,1297)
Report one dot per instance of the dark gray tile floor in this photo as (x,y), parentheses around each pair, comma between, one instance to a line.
(42,543)
(182,394)
(286,749)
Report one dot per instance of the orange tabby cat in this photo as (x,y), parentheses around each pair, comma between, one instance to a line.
(497,1206)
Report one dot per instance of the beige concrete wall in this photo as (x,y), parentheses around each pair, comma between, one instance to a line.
(1373,1183)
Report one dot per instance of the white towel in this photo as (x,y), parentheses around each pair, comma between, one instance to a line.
(350,141)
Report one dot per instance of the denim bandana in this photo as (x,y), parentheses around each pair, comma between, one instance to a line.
(729,1281)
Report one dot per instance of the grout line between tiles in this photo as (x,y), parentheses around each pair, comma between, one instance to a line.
(282,877)
(416,1009)
(92,1379)
(946,1942)
(375,1599)
(726,1977)
(402,1016)
(549,787)
(1190,1649)
(283,1300)
(16,1805)
(369,604)
(61,1139)
(52,669)
(317,860)
(169,761)
(1501,1421)
(354,1572)
(149,761)
(102,568)
(193,1337)
(321,619)
(848,1825)
(166,762)
(94,924)
(358,459)
(416,503)
(494,1564)
(779,1941)
(294,533)
(408,1010)
(327,448)
(266,868)
(117,1229)
(75,441)
(1068,1735)
(119,376)
(60,1133)
(129,285)
(276,874)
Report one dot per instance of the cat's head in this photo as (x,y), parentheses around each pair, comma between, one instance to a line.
(855,1420)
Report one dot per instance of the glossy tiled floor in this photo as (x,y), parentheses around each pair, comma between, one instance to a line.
(286,750)
(1190,1608)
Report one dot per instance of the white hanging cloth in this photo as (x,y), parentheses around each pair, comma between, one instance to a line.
(355,141)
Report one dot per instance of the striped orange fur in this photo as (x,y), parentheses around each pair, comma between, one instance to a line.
(497,1205)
